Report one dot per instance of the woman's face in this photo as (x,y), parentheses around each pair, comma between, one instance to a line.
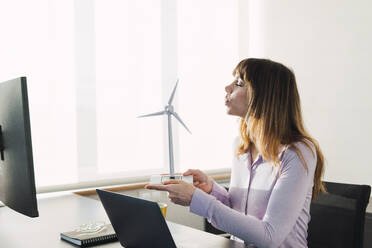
(236,99)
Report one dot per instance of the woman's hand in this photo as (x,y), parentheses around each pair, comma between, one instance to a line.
(179,191)
(201,180)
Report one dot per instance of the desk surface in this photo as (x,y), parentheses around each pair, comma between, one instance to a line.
(64,213)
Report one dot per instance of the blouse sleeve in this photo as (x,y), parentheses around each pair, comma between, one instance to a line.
(284,206)
(221,194)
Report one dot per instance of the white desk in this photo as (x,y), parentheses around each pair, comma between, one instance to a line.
(64,213)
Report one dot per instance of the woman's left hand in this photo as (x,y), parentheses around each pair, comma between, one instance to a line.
(179,191)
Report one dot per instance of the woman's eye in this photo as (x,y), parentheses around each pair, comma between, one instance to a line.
(239,83)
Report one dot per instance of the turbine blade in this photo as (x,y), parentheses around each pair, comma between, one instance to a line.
(153,114)
(174,91)
(179,119)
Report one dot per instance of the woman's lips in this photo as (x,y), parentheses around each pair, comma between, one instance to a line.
(227,99)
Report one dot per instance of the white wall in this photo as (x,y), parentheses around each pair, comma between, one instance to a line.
(329,46)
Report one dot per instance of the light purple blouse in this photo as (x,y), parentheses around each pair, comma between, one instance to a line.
(263,208)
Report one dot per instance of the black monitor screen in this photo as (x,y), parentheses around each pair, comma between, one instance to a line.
(17,183)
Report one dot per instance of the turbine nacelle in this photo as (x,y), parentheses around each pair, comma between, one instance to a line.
(169,109)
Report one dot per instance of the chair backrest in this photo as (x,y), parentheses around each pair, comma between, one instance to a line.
(337,218)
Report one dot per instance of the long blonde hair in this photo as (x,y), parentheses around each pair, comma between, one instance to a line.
(274,114)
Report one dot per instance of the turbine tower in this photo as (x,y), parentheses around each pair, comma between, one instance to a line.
(169,111)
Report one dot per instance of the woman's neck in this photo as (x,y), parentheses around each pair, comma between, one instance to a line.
(254,152)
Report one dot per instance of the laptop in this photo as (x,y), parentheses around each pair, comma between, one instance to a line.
(137,222)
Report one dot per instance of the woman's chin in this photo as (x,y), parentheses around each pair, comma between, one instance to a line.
(229,112)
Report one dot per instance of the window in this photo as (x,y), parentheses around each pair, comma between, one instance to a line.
(94,66)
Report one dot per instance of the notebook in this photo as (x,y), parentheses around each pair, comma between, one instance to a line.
(137,222)
(85,237)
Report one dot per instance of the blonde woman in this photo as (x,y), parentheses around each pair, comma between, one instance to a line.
(277,167)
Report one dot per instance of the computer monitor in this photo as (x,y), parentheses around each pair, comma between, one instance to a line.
(17,182)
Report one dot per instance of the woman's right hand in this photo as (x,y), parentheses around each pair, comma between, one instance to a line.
(201,180)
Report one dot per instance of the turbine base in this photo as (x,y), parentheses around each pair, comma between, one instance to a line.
(160,179)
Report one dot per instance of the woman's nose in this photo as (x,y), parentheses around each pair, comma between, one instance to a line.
(228,88)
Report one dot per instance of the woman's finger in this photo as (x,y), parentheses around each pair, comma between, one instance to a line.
(174,199)
(189,172)
(172,195)
(172,182)
(157,187)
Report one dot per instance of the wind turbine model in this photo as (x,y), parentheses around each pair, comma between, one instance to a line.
(169,110)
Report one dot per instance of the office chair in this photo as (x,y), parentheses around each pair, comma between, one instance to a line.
(337,218)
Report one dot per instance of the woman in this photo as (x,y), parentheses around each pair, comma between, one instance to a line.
(277,169)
